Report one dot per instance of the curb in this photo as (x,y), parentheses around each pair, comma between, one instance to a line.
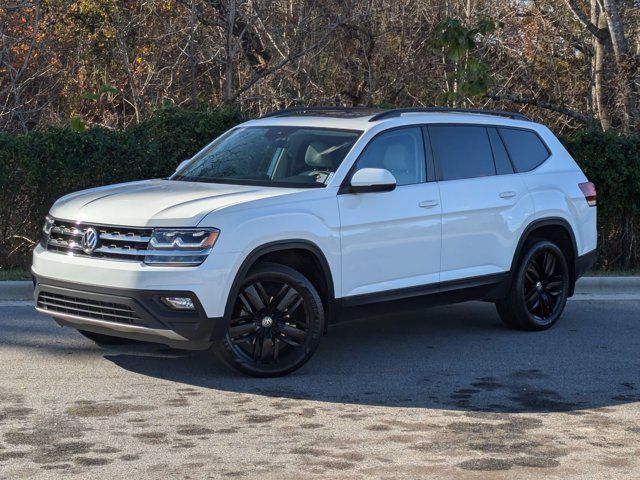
(23,289)
(608,285)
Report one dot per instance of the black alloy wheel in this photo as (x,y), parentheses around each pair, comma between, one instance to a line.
(539,289)
(276,323)
(543,285)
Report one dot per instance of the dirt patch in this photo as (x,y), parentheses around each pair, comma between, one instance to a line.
(107,409)
(92,461)
(194,430)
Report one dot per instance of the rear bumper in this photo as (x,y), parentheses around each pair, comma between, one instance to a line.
(584,263)
(129,313)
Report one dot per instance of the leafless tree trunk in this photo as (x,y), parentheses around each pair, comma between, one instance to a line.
(624,62)
(600,52)
(193,64)
(610,30)
(227,95)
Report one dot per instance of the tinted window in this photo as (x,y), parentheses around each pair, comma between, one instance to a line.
(461,151)
(399,151)
(503,165)
(525,148)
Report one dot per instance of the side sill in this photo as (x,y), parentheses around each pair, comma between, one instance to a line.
(485,287)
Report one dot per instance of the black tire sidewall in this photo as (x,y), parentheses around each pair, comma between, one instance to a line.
(312,301)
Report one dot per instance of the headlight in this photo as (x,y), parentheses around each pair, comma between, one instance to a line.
(183,247)
(46,228)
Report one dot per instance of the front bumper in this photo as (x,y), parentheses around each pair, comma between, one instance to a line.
(210,282)
(129,313)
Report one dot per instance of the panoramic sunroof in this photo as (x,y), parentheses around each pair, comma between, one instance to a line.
(339,112)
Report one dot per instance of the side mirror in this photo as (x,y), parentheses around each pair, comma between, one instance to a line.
(182,164)
(372,180)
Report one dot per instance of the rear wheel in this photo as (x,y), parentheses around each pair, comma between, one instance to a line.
(539,289)
(106,339)
(276,323)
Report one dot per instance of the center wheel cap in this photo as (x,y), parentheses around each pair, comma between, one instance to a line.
(267,321)
(538,287)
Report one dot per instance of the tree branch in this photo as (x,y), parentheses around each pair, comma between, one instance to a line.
(552,106)
(602,34)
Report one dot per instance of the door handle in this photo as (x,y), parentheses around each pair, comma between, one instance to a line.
(428,204)
(508,194)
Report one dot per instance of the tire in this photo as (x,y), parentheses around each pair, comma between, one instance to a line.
(276,323)
(101,339)
(539,289)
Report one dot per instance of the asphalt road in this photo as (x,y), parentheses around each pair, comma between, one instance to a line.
(447,393)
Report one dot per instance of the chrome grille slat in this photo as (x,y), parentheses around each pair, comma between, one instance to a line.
(156,253)
(119,243)
(47,298)
(125,238)
(65,244)
(87,308)
(67,230)
(82,310)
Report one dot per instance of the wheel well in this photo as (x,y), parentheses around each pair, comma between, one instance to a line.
(308,264)
(557,234)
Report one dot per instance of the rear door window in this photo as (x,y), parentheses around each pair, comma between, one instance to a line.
(526,149)
(461,151)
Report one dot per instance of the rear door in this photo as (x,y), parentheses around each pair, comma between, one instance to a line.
(484,203)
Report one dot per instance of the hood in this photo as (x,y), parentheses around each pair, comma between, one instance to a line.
(156,202)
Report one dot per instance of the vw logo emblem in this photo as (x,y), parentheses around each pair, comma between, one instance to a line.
(89,240)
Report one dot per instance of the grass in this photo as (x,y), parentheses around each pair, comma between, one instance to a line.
(613,273)
(15,274)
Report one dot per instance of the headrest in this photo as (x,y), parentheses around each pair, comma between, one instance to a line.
(317,156)
(395,157)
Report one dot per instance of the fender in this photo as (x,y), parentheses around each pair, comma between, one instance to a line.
(277,246)
(545,222)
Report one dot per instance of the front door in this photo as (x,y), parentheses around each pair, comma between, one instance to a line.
(391,240)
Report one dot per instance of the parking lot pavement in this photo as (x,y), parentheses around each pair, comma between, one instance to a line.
(445,393)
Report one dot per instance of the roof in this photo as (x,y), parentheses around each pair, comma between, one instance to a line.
(360,118)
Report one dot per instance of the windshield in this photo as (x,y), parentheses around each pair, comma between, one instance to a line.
(271,156)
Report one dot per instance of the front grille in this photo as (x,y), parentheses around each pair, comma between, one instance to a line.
(86,308)
(121,243)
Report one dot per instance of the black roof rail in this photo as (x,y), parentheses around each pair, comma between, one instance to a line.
(396,112)
(302,110)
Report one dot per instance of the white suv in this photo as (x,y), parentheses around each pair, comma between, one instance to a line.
(303,217)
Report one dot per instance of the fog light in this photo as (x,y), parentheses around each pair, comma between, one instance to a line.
(179,303)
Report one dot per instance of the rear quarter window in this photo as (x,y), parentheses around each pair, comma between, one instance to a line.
(526,149)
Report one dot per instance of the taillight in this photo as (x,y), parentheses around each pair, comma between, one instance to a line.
(589,192)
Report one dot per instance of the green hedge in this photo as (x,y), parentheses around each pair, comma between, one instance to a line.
(612,162)
(39,167)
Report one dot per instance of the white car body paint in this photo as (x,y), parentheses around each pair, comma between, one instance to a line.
(373,242)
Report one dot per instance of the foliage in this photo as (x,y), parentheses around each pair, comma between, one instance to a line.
(470,77)
(39,167)
(612,163)
(544,58)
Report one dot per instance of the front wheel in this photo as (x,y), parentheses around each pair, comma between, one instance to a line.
(539,289)
(276,323)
